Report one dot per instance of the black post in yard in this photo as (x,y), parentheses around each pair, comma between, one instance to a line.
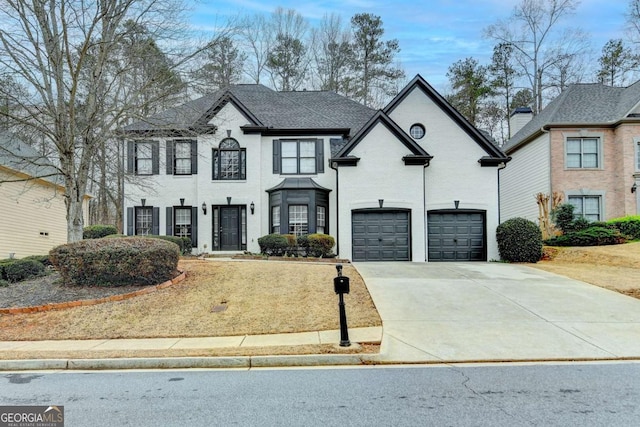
(341,287)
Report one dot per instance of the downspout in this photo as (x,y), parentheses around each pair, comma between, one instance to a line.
(331,165)
(424,212)
(500,167)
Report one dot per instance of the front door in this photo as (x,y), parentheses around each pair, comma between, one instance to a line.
(229,228)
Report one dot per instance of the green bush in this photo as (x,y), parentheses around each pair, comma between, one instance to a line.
(274,244)
(184,243)
(519,240)
(592,236)
(116,262)
(22,269)
(3,283)
(629,226)
(115,236)
(3,264)
(98,231)
(320,245)
(42,259)
(563,216)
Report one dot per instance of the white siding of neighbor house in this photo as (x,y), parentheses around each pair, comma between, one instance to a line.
(454,172)
(33,216)
(526,175)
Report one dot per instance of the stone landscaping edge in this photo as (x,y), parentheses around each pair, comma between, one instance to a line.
(69,304)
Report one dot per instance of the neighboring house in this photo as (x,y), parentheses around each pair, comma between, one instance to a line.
(585,145)
(414,181)
(32,208)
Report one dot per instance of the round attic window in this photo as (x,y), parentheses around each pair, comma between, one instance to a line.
(417,131)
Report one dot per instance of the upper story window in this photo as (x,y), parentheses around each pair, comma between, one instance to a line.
(229,161)
(417,131)
(142,157)
(583,153)
(638,155)
(182,157)
(298,156)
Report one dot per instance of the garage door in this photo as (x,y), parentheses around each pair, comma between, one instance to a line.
(456,236)
(380,235)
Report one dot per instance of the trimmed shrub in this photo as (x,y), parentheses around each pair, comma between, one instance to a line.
(114,236)
(592,236)
(3,264)
(303,244)
(563,216)
(42,259)
(320,245)
(3,283)
(629,226)
(116,262)
(22,269)
(184,243)
(98,231)
(274,244)
(519,240)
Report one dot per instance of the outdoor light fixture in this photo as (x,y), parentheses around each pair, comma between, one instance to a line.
(181,202)
(456,203)
(143,201)
(634,187)
(252,206)
(380,202)
(204,208)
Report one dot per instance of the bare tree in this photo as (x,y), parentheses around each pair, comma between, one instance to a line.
(332,54)
(62,50)
(257,36)
(530,30)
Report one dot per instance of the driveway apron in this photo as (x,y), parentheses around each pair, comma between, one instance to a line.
(497,312)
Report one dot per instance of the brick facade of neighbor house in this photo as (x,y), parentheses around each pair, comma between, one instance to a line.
(583,145)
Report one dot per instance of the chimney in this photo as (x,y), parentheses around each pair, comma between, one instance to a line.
(518,118)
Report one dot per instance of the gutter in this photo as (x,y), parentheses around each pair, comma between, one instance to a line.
(331,165)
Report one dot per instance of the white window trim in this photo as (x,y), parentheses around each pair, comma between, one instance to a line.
(584,134)
(636,158)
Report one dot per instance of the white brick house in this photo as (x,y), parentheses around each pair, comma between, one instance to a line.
(414,181)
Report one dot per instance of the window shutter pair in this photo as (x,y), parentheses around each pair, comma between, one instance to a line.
(131,221)
(277,159)
(194,224)
(171,152)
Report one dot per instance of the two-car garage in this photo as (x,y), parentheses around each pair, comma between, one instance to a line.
(385,235)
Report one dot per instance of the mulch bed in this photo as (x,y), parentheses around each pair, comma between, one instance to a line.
(50,289)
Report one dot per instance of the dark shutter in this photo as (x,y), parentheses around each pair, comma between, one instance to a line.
(276,156)
(169,156)
(155,217)
(169,221)
(155,157)
(130,223)
(194,157)
(131,156)
(194,226)
(243,164)
(319,155)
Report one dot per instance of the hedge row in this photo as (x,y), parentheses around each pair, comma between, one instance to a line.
(591,236)
(312,245)
(116,261)
(98,231)
(629,226)
(184,243)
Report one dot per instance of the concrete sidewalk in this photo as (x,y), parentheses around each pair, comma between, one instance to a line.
(445,312)
(356,336)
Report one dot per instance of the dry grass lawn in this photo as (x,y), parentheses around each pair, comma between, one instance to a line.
(261,297)
(612,267)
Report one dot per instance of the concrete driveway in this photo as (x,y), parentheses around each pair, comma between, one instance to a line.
(497,312)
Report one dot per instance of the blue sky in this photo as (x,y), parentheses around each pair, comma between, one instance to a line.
(433,34)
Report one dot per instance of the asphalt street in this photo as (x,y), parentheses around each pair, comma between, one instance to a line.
(584,394)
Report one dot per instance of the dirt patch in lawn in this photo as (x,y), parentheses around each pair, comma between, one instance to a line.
(218,298)
(613,267)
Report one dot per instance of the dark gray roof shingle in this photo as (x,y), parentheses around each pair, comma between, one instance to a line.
(278,110)
(581,104)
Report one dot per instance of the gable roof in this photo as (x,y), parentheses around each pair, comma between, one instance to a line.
(21,157)
(494,154)
(418,154)
(265,110)
(582,104)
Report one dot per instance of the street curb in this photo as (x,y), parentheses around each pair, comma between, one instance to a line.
(245,362)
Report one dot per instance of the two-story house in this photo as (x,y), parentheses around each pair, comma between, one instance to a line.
(414,181)
(585,145)
(32,205)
